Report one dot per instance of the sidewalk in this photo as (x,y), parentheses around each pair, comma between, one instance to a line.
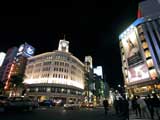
(133,116)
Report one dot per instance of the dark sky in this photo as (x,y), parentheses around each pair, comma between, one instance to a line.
(91,27)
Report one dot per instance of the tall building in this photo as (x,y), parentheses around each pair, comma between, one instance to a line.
(88,63)
(14,63)
(2,56)
(99,88)
(7,66)
(140,51)
(98,71)
(56,75)
(89,81)
(149,8)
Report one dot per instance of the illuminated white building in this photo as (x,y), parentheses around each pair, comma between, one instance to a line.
(55,75)
(2,56)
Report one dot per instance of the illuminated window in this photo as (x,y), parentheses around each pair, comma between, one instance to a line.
(147,54)
(144,45)
(150,63)
(153,73)
(142,37)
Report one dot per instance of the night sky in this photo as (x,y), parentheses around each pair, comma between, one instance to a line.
(92,28)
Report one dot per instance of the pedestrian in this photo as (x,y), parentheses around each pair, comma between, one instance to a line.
(105,105)
(124,111)
(135,105)
(149,103)
(156,105)
(143,107)
(116,106)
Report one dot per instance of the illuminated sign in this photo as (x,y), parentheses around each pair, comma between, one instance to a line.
(26,50)
(138,73)
(29,50)
(131,47)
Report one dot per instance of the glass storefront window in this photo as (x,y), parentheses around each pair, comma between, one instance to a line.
(150,63)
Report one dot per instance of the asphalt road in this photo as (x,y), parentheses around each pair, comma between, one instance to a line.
(59,114)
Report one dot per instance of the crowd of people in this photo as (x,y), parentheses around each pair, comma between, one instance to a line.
(147,107)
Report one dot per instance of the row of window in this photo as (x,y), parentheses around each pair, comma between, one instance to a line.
(147,53)
(61,64)
(145,47)
(61,70)
(55,90)
(60,76)
(56,75)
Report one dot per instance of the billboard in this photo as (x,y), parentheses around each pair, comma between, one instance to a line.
(26,50)
(132,48)
(138,73)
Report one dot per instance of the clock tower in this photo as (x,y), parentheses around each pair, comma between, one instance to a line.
(63,46)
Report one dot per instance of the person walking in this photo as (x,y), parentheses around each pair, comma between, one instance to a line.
(105,105)
(143,107)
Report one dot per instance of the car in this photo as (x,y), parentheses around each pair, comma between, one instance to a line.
(83,105)
(48,103)
(87,105)
(90,105)
(71,106)
(3,103)
(20,103)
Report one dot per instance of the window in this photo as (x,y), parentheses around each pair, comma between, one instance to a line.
(144,45)
(150,63)
(147,54)
(153,73)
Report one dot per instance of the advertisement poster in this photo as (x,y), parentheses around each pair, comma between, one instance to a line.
(131,47)
(138,73)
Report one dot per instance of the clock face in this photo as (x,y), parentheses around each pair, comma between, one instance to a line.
(64,44)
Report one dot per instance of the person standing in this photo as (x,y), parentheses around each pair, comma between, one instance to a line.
(156,105)
(149,103)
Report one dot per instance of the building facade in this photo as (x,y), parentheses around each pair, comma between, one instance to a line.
(56,75)
(7,67)
(140,53)
(2,56)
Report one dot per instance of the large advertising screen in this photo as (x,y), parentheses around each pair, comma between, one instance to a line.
(132,48)
(138,73)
